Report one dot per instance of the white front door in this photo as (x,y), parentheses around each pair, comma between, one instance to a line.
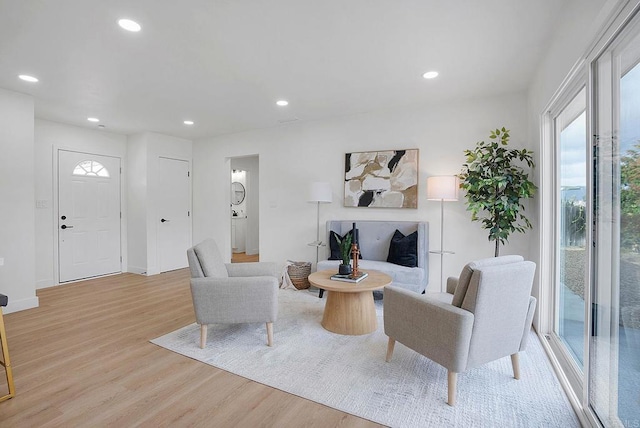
(174,235)
(88,215)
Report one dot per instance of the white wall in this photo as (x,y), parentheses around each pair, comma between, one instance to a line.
(49,138)
(293,156)
(137,203)
(17,232)
(145,150)
(251,164)
(582,20)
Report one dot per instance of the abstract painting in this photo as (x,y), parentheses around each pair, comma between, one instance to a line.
(383,179)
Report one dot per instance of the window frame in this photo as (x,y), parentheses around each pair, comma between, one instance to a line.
(80,171)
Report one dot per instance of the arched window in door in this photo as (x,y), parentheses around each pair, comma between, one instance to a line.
(90,168)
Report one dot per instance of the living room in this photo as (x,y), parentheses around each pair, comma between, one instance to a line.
(441,124)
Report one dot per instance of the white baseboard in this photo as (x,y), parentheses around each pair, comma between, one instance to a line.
(45,283)
(21,305)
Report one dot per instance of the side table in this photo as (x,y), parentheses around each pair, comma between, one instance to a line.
(350,309)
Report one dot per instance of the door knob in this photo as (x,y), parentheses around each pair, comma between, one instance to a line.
(64,226)
(163,220)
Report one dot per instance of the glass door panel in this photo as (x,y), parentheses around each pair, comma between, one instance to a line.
(629,292)
(614,346)
(571,139)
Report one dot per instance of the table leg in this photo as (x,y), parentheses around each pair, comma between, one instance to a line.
(350,313)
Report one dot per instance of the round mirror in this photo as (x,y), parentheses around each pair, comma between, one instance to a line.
(237,193)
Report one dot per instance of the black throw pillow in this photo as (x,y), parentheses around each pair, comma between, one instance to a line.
(334,247)
(403,250)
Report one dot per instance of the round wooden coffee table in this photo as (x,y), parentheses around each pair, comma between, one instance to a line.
(350,308)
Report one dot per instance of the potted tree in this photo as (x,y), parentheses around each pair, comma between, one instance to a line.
(495,185)
(345,253)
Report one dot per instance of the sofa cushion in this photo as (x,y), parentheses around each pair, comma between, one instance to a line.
(403,250)
(210,259)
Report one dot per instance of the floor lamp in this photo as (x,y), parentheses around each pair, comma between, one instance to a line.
(442,188)
(320,193)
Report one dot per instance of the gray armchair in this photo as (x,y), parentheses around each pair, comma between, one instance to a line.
(487,317)
(228,293)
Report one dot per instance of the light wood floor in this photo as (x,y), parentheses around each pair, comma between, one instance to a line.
(83,359)
(244,258)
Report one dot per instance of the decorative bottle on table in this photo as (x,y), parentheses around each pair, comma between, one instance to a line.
(355,252)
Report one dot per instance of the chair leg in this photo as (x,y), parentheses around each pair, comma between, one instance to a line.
(321,293)
(515,362)
(269,334)
(6,362)
(452,379)
(390,345)
(203,335)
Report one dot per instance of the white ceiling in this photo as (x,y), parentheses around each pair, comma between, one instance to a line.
(224,63)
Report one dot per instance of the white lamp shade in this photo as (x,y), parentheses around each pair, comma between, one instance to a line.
(320,191)
(442,188)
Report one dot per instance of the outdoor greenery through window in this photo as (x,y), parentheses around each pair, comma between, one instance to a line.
(629,331)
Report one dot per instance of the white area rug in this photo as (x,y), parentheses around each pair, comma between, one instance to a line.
(349,373)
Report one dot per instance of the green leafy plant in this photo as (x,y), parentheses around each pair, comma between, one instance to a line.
(345,248)
(495,185)
(630,199)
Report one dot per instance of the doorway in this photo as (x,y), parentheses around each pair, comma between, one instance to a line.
(174,214)
(245,212)
(88,215)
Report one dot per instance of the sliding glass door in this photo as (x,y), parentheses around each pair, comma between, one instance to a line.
(614,333)
(592,302)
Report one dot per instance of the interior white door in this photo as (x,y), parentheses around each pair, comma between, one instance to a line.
(88,215)
(174,235)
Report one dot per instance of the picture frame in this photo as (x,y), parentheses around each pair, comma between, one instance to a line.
(381,179)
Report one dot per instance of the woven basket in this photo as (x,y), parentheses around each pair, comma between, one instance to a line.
(299,274)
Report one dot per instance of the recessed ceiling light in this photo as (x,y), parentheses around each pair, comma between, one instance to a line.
(93,119)
(282,103)
(28,78)
(430,74)
(188,122)
(129,25)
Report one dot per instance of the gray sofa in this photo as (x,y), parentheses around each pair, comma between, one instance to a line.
(374,239)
